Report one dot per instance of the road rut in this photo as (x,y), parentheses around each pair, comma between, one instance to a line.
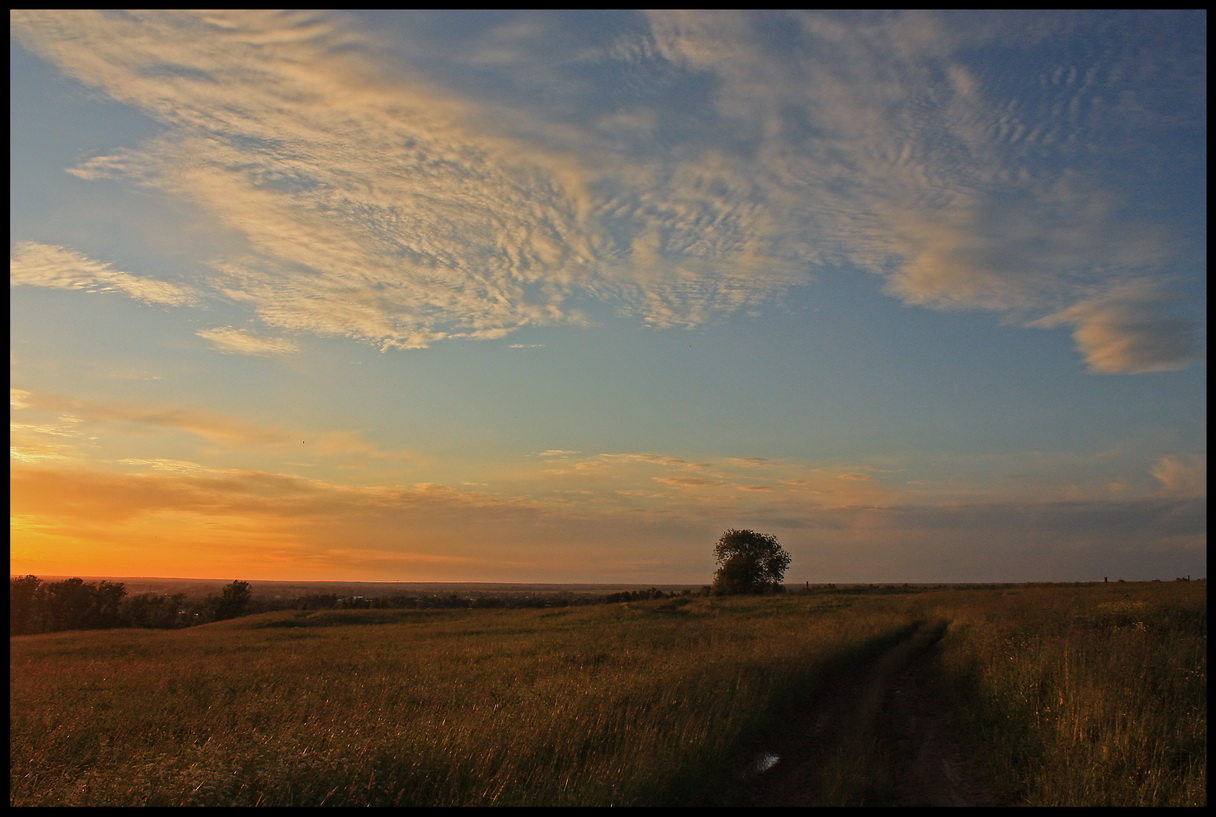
(890,720)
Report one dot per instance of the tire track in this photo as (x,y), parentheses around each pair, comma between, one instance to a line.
(879,735)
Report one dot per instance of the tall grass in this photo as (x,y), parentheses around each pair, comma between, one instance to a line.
(1093,695)
(1072,695)
(622,705)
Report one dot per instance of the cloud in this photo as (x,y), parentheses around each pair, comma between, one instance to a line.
(1023,541)
(812,492)
(183,487)
(239,342)
(1129,330)
(265,523)
(963,186)
(50,440)
(689,482)
(675,485)
(174,466)
(215,427)
(680,166)
(372,209)
(45,265)
(1182,475)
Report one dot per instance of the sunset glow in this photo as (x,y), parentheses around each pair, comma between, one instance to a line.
(547,296)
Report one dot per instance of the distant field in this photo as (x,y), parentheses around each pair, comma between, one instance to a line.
(1071,694)
(197,588)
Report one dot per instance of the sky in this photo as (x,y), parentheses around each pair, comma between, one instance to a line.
(561,296)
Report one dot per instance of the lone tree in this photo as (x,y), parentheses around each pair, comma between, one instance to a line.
(749,562)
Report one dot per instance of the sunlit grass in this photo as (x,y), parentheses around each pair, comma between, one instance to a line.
(616,705)
(1090,695)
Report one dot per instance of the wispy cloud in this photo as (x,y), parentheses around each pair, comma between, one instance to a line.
(44,265)
(371,208)
(415,530)
(240,342)
(72,416)
(302,526)
(214,426)
(401,210)
(901,155)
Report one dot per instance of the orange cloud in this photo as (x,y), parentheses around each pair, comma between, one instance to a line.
(29,438)
(184,521)
(180,519)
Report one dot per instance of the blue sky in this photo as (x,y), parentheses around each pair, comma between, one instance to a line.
(561,296)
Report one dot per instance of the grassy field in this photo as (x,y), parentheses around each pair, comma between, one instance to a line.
(1087,696)
(1077,695)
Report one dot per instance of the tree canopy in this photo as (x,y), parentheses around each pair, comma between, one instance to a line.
(232,602)
(749,562)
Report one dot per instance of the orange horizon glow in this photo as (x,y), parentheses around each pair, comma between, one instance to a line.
(419,295)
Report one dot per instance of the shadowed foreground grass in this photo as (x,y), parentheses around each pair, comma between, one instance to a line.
(652,703)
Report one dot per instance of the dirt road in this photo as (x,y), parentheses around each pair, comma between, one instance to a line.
(889,722)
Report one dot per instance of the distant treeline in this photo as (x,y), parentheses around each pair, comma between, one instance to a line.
(37,606)
(454,600)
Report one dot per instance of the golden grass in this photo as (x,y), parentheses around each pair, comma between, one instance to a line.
(651,703)
(620,705)
(1087,696)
